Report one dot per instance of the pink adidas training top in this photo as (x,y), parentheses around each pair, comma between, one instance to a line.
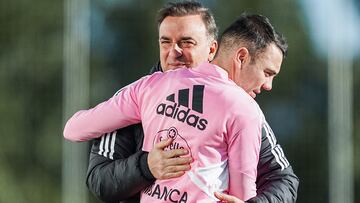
(204,112)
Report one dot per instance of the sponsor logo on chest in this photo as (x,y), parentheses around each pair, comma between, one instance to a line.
(181,111)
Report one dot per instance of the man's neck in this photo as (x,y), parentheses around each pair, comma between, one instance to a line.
(223,64)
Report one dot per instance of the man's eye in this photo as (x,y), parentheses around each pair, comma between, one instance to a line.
(165,44)
(267,74)
(186,44)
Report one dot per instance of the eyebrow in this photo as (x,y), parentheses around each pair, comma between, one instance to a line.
(187,38)
(164,38)
(182,38)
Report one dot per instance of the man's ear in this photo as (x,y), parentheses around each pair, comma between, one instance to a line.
(213,50)
(242,56)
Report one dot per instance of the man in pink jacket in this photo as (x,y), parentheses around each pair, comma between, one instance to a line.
(203,110)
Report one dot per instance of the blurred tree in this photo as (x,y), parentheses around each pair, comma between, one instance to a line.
(127,46)
(30,75)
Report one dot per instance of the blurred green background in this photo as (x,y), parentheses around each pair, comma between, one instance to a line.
(123,47)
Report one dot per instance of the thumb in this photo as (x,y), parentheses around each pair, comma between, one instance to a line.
(219,195)
(226,198)
(163,143)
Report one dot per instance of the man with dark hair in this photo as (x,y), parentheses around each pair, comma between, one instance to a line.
(256,33)
(119,169)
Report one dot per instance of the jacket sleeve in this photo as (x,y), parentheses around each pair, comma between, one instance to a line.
(276,181)
(243,155)
(121,110)
(119,171)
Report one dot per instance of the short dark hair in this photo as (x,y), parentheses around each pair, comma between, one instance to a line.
(185,8)
(254,32)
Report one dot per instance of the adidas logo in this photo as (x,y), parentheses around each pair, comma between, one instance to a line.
(181,110)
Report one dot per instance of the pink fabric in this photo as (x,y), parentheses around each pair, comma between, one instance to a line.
(204,112)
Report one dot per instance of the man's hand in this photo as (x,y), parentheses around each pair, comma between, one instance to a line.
(227,198)
(168,164)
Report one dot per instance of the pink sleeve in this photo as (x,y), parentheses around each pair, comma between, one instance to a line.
(243,153)
(119,111)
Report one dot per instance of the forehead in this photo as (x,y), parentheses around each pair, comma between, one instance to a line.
(184,26)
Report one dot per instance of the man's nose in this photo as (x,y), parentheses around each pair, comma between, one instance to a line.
(176,51)
(268,85)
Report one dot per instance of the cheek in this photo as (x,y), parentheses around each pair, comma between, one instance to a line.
(200,56)
(163,59)
(189,52)
(257,80)
(163,51)
(189,55)
(254,81)
(260,81)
